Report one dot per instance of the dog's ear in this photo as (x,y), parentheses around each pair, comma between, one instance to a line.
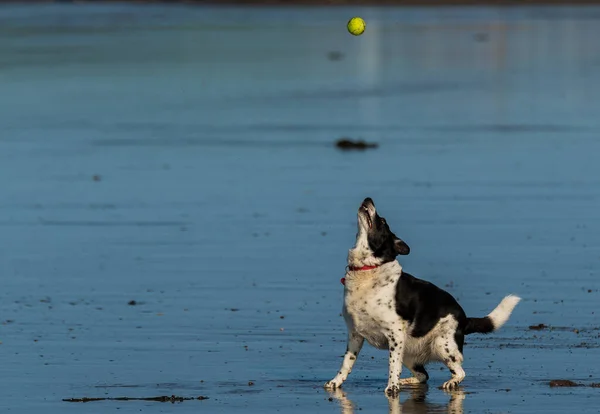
(401,247)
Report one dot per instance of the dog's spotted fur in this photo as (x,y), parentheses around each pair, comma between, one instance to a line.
(413,319)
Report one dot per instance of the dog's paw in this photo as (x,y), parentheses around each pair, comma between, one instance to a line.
(332,385)
(392,390)
(451,384)
(409,381)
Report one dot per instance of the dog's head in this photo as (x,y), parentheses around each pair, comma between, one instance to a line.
(375,242)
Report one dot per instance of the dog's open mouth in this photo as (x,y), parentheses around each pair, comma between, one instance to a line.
(365,210)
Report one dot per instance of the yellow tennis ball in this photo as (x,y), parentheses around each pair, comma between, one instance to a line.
(356,26)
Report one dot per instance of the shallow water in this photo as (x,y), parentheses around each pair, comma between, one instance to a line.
(183,158)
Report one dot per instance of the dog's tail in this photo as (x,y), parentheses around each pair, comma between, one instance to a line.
(495,319)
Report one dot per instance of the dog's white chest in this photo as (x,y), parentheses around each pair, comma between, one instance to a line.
(370,302)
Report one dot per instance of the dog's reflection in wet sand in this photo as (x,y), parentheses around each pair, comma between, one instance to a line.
(415,403)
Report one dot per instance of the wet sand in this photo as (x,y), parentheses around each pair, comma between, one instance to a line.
(331,3)
(175,214)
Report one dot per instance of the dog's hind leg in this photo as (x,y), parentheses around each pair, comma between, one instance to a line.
(458,374)
(355,343)
(449,352)
(420,375)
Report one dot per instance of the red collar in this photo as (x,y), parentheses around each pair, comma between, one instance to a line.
(355,269)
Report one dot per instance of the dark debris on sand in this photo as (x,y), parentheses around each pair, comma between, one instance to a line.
(162,398)
(563,383)
(569,383)
(348,144)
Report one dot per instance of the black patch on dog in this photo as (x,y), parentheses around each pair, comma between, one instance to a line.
(423,304)
(459,338)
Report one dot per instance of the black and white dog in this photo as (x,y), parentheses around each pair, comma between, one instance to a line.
(417,321)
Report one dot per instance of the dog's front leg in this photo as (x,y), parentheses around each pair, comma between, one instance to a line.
(396,341)
(355,343)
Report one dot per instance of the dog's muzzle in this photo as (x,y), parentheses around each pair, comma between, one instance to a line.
(367,209)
